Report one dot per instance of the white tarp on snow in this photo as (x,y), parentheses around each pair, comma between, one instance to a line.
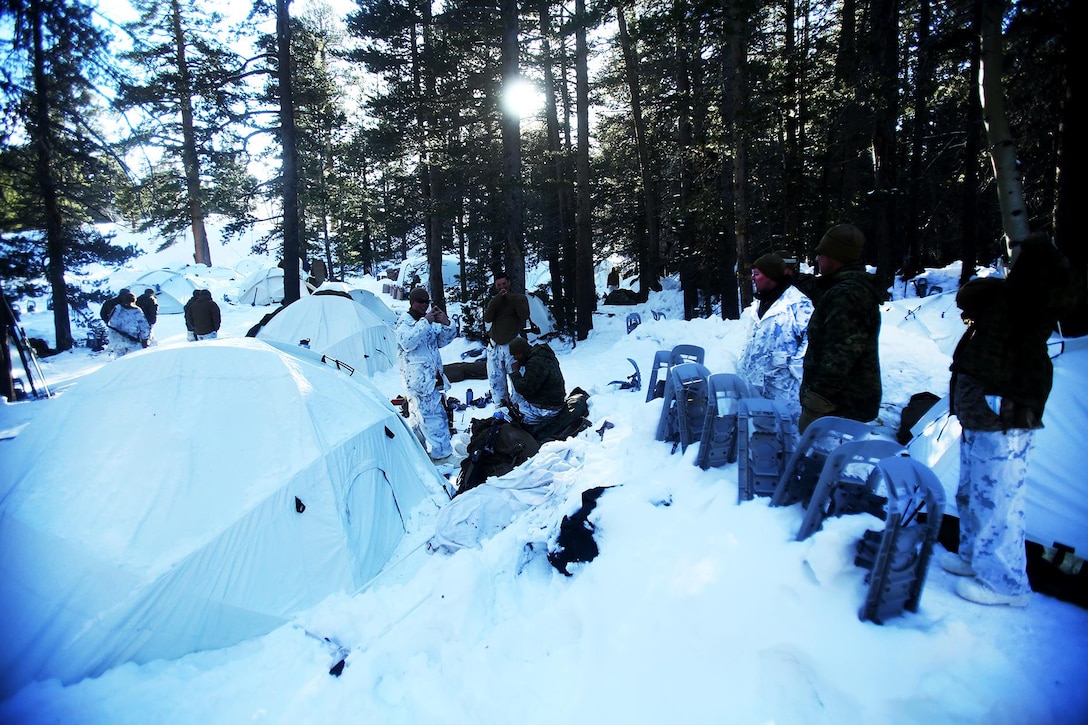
(130,534)
(336,326)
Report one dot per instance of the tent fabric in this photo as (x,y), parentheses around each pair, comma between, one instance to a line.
(217,540)
(364,297)
(541,315)
(172,289)
(1056,512)
(336,326)
(265,287)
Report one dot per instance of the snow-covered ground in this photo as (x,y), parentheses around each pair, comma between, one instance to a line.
(697,610)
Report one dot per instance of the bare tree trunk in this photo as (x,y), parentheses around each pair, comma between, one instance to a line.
(201,251)
(738,99)
(291,218)
(56,245)
(584,290)
(969,243)
(649,252)
(884,65)
(792,171)
(1014,217)
(556,200)
(514,251)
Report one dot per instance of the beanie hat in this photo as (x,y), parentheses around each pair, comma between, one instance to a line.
(419,295)
(843,243)
(519,346)
(772,266)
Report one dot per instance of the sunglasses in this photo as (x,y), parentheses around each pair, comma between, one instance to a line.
(423,302)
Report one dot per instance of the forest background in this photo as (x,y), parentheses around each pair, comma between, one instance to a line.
(690,133)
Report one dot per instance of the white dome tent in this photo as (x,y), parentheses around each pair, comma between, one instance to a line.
(336,326)
(154,540)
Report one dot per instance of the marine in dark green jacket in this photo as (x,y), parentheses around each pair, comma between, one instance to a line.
(539,388)
(842,365)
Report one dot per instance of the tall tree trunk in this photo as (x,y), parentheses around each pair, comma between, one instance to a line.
(912,263)
(56,244)
(649,253)
(514,249)
(792,203)
(884,65)
(1010,192)
(737,100)
(291,218)
(556,198)
(969,241)
(434,181)
(202,253)
(584,291)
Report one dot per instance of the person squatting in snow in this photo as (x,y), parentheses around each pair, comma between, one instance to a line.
(776,327)
(420,332)
(506,313)
(1001,379)
(539,389)
(128,326)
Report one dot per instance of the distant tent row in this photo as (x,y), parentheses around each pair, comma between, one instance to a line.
(265,287)
(172,289)
(155,539)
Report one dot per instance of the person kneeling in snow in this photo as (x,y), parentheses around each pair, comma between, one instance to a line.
(539,389)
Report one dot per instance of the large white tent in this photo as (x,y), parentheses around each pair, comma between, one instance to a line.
(172,289)
(264,287)
(366,298)
(337,326)
(153,539)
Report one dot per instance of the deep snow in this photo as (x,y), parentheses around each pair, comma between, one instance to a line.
(697,610)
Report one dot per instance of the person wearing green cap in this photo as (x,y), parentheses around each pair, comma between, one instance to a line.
(842,364)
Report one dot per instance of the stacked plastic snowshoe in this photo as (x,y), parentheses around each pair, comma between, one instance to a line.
(718,443)
(899,556)
(684,409)
(843,487)
(765,442)
(664,360)
(802,472)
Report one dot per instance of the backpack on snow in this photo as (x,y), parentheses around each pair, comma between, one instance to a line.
(496,447)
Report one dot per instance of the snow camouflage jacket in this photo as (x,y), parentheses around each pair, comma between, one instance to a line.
(541,379)
(842,364)
(131,323)
(418,358)
(773,358)
(1003,353)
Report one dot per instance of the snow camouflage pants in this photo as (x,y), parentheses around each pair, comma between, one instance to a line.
(428,416)
(990,499)
(499,361)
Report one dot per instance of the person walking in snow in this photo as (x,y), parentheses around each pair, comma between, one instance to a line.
(420,332)
(128,328)
(506,315)
(776,326)
(1001,379)
(842,365)
(539,389)
(202,315)
(150,306)
(108,306)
